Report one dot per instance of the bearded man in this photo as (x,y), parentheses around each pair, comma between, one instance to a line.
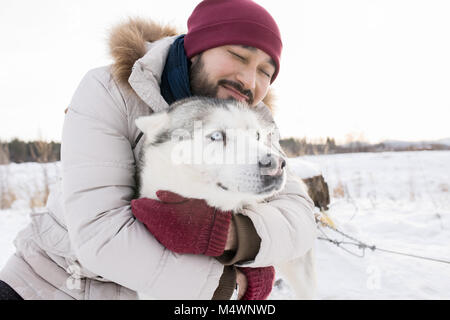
(88,244)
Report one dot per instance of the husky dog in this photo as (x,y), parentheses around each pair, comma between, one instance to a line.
(221,151)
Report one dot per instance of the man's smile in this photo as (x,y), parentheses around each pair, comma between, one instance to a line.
(235,93)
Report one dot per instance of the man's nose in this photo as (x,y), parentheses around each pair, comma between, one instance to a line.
(271,165)
(247,77)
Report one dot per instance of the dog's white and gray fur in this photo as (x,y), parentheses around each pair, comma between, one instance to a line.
(171,160)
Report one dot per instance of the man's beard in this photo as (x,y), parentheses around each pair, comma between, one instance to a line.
(201,86)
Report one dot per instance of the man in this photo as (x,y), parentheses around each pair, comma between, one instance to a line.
(88,245)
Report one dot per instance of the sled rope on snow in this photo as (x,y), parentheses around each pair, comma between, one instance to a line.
(325,221)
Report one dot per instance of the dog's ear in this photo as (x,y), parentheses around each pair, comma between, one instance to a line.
(152,125)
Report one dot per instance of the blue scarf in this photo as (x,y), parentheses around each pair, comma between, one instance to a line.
(175,77)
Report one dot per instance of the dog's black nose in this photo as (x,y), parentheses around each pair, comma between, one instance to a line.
(271,165)
(266,161)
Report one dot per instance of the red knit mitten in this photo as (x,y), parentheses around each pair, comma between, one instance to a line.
(184,225)
(259,282)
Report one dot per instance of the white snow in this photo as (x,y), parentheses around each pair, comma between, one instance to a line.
(304,169)
(395,200)
(398,201)
(27,182)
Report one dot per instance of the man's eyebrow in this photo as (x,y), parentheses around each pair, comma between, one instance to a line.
(248,47)
(253,49)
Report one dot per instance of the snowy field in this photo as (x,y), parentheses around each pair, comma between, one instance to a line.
(396,201)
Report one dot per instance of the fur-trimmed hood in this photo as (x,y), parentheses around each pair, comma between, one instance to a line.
(128,43)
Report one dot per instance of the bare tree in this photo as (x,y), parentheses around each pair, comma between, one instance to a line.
(7,196)
(4,153)
(40,151)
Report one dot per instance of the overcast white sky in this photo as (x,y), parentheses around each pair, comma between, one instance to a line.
(375,68)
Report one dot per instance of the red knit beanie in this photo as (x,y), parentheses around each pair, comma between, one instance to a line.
(215,23)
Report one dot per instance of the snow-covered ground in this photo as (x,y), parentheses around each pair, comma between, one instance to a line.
(396,201)
(26,182)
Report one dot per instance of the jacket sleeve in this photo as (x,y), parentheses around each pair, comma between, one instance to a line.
(285,225)
(98,169)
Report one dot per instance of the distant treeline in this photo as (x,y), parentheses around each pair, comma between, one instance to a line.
(295,147)
(40,151)
(35,151)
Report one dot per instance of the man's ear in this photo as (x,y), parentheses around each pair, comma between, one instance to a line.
(195,58)
(153,125)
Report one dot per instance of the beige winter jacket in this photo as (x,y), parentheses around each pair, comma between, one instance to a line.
(87,244)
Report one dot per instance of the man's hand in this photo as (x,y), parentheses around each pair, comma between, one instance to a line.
(258,282)
(241,280)
(185,225)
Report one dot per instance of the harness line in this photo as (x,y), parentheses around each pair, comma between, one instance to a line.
(361,245)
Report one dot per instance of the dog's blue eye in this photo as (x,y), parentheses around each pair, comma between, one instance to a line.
(217,136)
